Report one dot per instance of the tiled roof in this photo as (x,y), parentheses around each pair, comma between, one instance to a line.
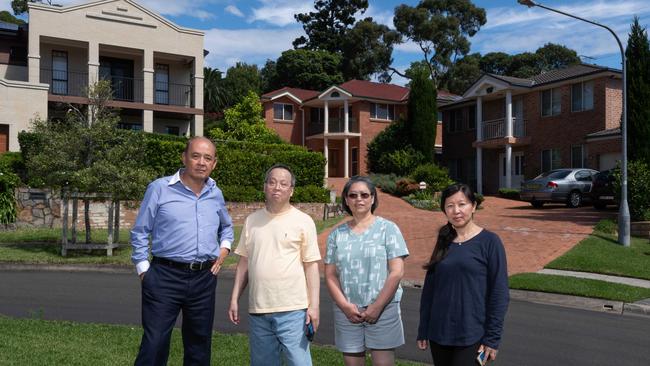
(569,73)
(605,133)
(302,94)
(513,80)
(369,89)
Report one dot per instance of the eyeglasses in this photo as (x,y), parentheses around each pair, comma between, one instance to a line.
(364,195)
(282,185)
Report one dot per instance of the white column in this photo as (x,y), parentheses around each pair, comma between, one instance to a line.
(198,83)
(34,58)
(508,166)
(147,94)
(346,155)
(197,126)
(479,150)
(327,121)
(347,127)
(508,113)
(93,63)
(326,153)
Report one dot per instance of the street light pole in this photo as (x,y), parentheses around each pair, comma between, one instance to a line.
(624,210)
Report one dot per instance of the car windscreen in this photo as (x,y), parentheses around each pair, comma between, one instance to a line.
(554,174)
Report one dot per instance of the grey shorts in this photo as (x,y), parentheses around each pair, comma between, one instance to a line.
(387,333)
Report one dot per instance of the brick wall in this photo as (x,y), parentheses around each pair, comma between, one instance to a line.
(289,131)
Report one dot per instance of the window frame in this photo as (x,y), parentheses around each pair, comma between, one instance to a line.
(582,87)
(553,93)
(284,110)
(390,111)
(582,156)
(554,158)
(161,95)
(55,78)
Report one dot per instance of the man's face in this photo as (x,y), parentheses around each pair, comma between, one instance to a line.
(199,159)
(278,188)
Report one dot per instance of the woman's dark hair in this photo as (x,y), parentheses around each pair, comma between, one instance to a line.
(447,232)
(371,188)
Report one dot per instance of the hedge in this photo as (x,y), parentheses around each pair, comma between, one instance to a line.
(240,165)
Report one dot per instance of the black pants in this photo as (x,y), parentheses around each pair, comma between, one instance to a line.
(166,291)
(454,355)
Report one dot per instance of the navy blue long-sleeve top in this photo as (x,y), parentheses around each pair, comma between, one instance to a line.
(465,298)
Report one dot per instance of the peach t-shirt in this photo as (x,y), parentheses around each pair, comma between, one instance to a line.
(276,246)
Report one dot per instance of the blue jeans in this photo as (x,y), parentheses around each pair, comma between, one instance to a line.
(273,334)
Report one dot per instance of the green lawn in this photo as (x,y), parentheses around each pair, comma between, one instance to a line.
(41,342)
(600,253)
(578,287)
(40,246)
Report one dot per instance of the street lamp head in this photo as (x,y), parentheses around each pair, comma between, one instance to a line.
(528,3)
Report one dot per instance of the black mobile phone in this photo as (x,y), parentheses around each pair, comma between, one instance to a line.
(310,332)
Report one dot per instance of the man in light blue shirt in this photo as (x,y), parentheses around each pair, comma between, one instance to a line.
(191,234)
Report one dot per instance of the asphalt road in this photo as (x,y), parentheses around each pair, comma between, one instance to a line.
(535,334)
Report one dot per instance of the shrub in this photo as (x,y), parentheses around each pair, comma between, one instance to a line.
(638,193)
(509,193)
(437,178)
(14,162)
(606,226)
(401,162)
(311,193)
(242,193)
(406,186)
(386,182)
(386,142)
(8,183)
(479,199)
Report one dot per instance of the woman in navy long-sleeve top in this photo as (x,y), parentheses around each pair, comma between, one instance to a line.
(465,294)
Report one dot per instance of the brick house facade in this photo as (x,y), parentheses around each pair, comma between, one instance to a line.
(562,118)
(356,112)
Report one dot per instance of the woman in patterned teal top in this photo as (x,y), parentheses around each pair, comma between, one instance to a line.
(363,268)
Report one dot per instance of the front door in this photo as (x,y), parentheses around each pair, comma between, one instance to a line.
(333,163)
(516,172)
(4,138)
(355,161)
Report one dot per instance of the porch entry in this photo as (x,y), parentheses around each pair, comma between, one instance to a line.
(333,163)
(4,138)
(516,172)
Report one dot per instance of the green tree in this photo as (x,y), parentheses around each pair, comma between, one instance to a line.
(554,56)
(214,93)
(6,16)
(269,76)
(440,28)
(638,93)
(365,46)
(495,63)
(240,79)
(20,6)
(308,69)
(525,65)
(244,122)
(422,116)
(462,74)
(326,28)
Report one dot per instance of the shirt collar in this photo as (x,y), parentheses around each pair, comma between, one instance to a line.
(176,178)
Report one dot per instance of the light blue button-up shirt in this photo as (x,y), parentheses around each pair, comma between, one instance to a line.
(182,226)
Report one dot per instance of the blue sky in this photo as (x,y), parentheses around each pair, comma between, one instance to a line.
(255,30)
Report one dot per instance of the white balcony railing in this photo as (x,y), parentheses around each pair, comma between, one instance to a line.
(496,128)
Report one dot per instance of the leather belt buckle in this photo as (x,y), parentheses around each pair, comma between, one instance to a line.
(196,266)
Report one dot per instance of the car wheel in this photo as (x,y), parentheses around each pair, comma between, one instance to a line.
(537,204)
(599,205)
(575,199)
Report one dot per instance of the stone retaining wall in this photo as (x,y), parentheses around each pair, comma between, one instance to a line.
(42,208)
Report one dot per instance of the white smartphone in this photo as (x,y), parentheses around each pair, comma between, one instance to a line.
(481,358)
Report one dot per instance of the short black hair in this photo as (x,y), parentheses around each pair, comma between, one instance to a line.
(280,166)
(371,188)
(195,138)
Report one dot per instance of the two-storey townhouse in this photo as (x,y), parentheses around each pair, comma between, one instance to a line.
(507,129)
(340,121)
(154,66)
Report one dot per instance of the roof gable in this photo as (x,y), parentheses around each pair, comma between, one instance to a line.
(296,94)
(372,90)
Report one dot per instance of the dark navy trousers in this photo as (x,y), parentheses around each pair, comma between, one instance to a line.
(167,291)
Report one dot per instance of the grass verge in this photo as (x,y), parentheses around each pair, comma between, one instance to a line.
(40,246)
(577,287)
(42,342)
(600,253)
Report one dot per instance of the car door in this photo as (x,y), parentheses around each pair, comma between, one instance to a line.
(583,179)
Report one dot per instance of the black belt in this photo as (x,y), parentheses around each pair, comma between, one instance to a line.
(194,266)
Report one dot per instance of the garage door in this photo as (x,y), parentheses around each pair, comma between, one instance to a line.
(608,161)
(4,138)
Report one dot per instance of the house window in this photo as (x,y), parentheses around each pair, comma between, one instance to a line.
(471,122)
(130,126)
(439,116)
(18,55)
(283,111)
(582,96)
(577,156)
(172,130)
(59,72)
(317,115)
(162,84)
(551,102)
(455,120)
(382,111)
(551,159)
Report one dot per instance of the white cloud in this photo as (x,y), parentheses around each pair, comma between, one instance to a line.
(381,16)
(234,11)
(191,8)
(280,13)
(228,46)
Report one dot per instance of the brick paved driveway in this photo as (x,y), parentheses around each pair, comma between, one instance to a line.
(532,237)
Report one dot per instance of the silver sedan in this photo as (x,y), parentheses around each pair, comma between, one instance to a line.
(569,186)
